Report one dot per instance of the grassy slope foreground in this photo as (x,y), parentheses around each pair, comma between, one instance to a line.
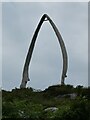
(33,105)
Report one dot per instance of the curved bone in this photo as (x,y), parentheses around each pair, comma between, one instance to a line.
(25,77)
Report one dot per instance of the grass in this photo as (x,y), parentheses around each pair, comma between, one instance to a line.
(28,104)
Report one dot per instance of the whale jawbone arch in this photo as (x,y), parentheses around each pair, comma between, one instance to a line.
(25,77)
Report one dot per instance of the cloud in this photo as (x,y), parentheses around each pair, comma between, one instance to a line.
(0,44)
(19,23)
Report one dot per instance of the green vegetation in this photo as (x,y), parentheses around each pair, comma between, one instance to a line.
(71,103)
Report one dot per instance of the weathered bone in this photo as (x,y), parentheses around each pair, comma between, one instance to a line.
(25,77)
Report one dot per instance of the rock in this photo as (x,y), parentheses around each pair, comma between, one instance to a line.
(52,109)
(71,96)
(21,113)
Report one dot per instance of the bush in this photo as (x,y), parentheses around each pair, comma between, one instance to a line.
(29,104)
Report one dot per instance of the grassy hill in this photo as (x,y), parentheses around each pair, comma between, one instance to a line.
(69,103)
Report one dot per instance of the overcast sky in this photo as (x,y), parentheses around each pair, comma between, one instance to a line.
(19,21)
(0,44)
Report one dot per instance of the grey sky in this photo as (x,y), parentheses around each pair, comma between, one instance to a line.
(44,0)
(0,44)
(19,21)
(88,43)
